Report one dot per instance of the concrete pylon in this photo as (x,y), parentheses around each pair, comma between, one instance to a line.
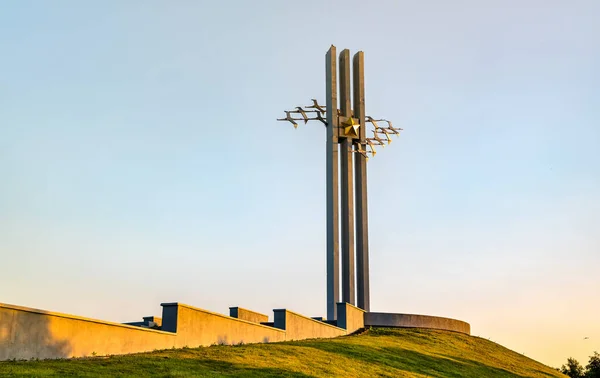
(346,127)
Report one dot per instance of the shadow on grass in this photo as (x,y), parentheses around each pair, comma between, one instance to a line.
(415,362)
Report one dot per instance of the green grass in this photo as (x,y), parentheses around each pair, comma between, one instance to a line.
(377,352)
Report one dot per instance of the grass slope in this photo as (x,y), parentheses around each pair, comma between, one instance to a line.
(377,352)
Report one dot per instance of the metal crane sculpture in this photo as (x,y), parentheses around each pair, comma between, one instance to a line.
(319,110)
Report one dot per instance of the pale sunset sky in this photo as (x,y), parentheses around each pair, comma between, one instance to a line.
(140,160)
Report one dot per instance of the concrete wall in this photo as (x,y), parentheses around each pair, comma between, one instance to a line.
(148,322)
(30,333)
(245,314)
(381,319)
(197,327)
(350,318)
(298,327)
(152,321)
(27,333)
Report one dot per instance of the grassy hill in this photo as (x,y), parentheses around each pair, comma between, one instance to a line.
(377,352)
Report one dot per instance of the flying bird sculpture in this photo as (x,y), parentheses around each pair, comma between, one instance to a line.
(319,117)
(373,121)
(387,134)
(362,152)
(289,118)
(394,130)
(303,113)
(377,138)
(348,128)
(372,142)
(316,105)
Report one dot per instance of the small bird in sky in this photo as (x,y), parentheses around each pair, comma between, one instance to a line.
(586,338)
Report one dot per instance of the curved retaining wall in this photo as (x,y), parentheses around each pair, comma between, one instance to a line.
(383,319)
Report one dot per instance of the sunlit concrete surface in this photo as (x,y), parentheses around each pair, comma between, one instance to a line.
(382,319)
(27,333)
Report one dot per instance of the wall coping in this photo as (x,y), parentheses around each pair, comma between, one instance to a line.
(424,316)
(397,320)
(220,315)
(353,306)
(75,317)
(308,318)
(245,309)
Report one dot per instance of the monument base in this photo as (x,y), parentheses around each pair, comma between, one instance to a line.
(383,319)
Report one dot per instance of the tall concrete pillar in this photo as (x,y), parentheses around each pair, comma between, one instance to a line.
(333,262)
(352,175)
(347,147)
(347,187)
(360,173)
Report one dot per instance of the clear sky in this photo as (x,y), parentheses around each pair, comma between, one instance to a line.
(140,160)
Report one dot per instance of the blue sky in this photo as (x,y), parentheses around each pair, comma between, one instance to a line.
(141,161)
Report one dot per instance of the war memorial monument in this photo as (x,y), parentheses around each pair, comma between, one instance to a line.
(27,333)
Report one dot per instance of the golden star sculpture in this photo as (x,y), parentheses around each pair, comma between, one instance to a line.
(351,128)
